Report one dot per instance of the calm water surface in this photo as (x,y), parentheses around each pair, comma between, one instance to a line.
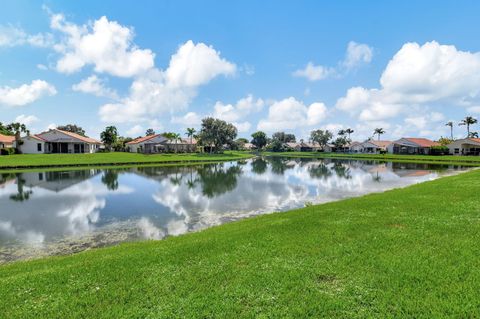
(49,213)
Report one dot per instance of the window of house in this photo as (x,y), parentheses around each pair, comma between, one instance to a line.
(40,176)
(457,150)
(39,147)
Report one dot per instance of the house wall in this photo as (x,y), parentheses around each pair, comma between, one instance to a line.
(462,147)
(134,148)
(59,137)
(30,146)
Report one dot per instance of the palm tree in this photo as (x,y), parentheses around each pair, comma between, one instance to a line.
(349,131)
(474,134)
(176,137)
(342,132)
(190,132)
(468,120)
(451,128)
(379,131)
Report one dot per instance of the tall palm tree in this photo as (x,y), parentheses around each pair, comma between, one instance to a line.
(190,132)
(342,133)
(176,137)
(349,131)
(451,128)
(474,134)
(379,131)
(468,120)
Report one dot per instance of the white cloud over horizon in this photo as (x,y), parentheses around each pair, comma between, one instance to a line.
(26,93)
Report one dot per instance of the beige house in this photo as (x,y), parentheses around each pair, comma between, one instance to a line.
(374,147)
(7,141)
(466,146)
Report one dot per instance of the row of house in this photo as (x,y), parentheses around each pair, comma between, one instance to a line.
(406,145)
(59,141)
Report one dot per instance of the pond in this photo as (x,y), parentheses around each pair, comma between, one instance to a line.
(60,212)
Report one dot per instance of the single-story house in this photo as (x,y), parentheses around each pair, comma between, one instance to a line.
(466,146)
(411,145)
(330,148)
(248,146)
(158,144)
(374,147)
(58,141)
(355,147)
(303,147)
(7,141)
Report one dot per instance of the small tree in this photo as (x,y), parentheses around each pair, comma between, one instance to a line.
(109,136)
(150,132)
(73,128)
(284,137)
(259,139)
(16,129)
(321,137)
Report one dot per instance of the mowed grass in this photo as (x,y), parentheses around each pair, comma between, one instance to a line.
(411,252)
(460,160)
(113,158)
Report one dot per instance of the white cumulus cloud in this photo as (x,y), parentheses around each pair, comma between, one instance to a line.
(189,119)
(418,75)
(290,114)
(26,119)
(26,93)
(11,36)
(357,54)
(96,86)
(237,111)
(314,72)
(106,45)
(158,92)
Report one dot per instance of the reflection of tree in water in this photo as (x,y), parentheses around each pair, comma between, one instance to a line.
(22,195)
(319,171)
(259,166)
(110,179)
(377,178)
(342,170)
(215,180)
(279,165)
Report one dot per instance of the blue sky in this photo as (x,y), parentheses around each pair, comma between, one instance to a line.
(272,65)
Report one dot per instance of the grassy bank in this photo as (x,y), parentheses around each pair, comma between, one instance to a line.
(460,160)
(25,161)
(409,252)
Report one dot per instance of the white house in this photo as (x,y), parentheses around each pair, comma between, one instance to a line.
(355,147)
(411,145)
(58,141)
(466,146)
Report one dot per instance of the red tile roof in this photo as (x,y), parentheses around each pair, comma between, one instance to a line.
(142,139)
(477,140)
(6,138)
(80,137)
(422,142)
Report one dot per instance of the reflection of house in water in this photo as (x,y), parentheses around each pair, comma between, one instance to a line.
(57,181)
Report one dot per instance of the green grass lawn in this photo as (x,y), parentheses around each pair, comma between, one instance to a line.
(114,158)
(411,252)
(461,160)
